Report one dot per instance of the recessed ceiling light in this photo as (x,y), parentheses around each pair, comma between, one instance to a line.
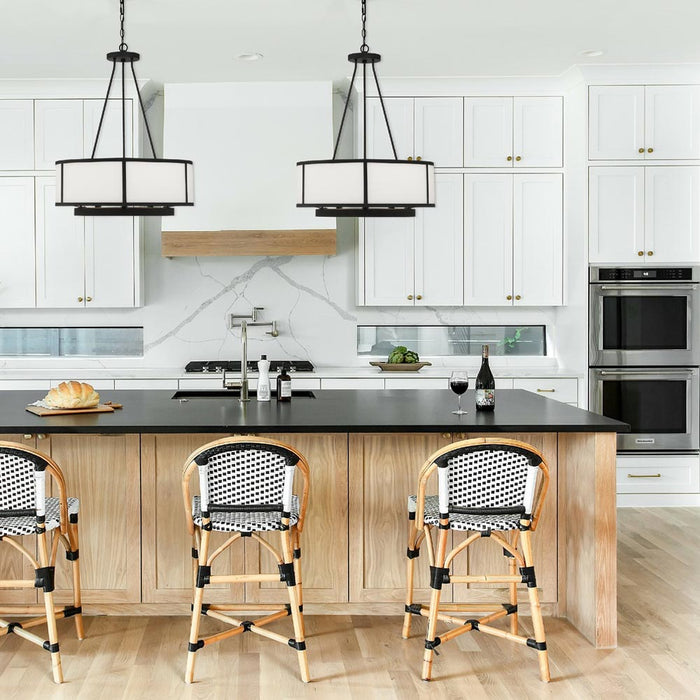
(249,56)
(591,53)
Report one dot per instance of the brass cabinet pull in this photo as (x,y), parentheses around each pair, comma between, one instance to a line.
(650,150)
(509,158)
(518,158)
(409,158)
(446,435)
(641,150)
(509,297)
(644,476)
(419,158)
(28,436)
(80,299)
(41,436)
(650,252)
(546,391)
(410,297)
(517,297)
(419,297)
(88,299)
(640,252)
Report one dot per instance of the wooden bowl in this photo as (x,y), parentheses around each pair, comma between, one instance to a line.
(400,366)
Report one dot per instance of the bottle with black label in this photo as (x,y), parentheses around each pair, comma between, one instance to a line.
(485,384)
(284,384)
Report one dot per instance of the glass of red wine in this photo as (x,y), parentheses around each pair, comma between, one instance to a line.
(459,383)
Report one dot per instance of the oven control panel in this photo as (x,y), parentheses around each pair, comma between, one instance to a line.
(636,274)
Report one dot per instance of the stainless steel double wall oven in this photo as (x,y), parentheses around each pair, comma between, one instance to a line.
(644,353)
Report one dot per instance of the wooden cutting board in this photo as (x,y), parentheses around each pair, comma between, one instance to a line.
(100,408)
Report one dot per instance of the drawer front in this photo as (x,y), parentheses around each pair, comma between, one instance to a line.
(557,388)
(658,474)
(415,383)
(369,383)
(145,383)
(25,385)
(299,382)
(99,384)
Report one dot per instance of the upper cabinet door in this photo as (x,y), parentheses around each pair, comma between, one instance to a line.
(59,132)
(389,262)
(672,214)
(488,132)
(537,240)
(439,250)
(488,254)
(17,244)
(672,121)
(616,122)
(616,215)
(60,251)
(399,111)
(109,261)
(16,135)
(110,143)
(439,131)
(538,132)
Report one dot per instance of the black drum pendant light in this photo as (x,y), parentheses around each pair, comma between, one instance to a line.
(121,186)
(366,186)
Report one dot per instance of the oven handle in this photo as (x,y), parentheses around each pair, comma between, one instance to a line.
(646,372)
(649,287)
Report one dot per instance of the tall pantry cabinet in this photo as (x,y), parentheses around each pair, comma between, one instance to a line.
(50,258)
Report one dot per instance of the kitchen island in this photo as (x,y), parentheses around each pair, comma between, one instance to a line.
(365,450)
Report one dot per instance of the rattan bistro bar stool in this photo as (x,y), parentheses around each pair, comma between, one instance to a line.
(25,510)
(246,487)
(495,489)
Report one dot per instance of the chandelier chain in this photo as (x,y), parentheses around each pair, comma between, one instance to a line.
(364,47)
(122,45)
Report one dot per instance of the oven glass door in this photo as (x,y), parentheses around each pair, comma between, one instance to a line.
(643,325)
(660,405)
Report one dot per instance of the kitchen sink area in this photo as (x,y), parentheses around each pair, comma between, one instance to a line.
(234,394)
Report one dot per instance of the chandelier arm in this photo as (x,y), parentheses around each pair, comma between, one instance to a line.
(364,113)
(123,112)
(143,112)
(345,111)
(104,109)
(386,118)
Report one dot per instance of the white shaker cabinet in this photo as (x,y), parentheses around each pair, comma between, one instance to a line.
(110,143)
(424,128)
(58,128)
(514,231)
(16,134)
(637,122)
(520,132)
(644,215)
(17,242)
(417,261)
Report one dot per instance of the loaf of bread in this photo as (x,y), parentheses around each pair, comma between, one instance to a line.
(72,395)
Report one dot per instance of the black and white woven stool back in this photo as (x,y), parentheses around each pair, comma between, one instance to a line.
(22,484)
(246,476)
(488,479)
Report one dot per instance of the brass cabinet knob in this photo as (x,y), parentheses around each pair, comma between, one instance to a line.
(41,436)
(419,296)
(409,297)
(446,436)
(641,150)
(409,158)
(650,253)
(518,158)
(509,158)
(640,252)
(509,297)
(28,436)
(650,150)
(88,299)
(419,158)
(517,297)
(80,299)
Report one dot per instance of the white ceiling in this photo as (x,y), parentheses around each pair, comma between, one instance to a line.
(198,40)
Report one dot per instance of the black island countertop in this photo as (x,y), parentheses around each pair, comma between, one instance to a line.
(348,411)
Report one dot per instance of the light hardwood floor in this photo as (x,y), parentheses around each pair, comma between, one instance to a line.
(364,656)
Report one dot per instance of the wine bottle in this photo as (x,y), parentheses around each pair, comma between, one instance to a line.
(485,384)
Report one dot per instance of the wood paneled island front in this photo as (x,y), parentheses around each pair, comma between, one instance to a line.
(365,449)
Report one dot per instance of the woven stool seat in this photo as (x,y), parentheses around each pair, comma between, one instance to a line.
(26,524)
(460,521)
(247,521)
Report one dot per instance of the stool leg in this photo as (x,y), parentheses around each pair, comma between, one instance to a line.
(297,572)
(77,596)
(535,609)
(50,614)
(297,615)
(196,610)
(412,537)
(434,605)
(513,567)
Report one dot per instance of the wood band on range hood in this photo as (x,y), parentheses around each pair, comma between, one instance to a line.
(255,242)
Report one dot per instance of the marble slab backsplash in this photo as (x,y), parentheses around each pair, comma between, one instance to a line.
(312,298)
